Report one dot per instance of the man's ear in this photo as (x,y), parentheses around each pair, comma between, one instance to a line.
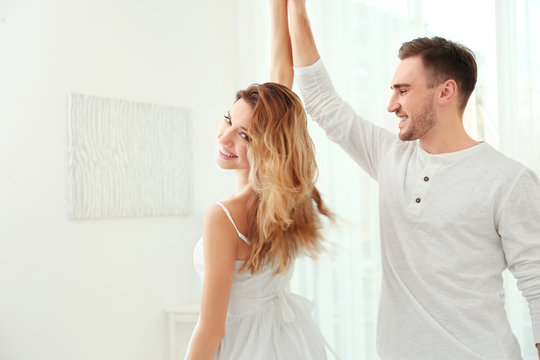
(448,91)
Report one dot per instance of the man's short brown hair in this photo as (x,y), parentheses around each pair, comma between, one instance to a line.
(444,60)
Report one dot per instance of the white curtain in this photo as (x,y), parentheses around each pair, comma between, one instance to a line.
(358,41)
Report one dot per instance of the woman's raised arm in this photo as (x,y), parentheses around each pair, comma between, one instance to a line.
(281,64)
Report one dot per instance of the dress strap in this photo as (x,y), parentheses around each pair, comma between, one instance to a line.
(232,221)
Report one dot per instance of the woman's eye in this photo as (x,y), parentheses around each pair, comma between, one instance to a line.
(227,119)
(245,137)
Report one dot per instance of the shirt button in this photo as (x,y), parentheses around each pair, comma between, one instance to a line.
(418,200)
(426,178)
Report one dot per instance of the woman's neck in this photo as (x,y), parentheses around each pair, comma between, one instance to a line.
(242,184)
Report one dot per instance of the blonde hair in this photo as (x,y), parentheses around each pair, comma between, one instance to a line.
(286,206)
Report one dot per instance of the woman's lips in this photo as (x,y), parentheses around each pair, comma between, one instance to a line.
(224,154)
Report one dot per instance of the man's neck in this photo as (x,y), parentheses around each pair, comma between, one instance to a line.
(452,145)
(447,137)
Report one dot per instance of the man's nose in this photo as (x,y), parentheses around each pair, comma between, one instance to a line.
(393,105)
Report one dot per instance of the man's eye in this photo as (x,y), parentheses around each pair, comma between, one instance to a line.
(402,91)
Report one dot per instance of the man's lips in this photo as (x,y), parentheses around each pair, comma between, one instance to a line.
(402,119)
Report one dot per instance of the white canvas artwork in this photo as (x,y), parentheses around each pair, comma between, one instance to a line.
(127,159)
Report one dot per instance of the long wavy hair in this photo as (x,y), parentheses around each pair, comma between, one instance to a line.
(286,206)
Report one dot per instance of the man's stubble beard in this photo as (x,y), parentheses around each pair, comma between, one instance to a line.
(420,124)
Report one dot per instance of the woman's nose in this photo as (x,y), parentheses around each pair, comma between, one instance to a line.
(224,137)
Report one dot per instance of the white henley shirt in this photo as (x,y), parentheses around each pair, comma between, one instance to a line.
(450,224)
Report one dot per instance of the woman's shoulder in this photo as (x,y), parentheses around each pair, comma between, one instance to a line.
(236,205)
(233,210)
(215,216)
(217,228)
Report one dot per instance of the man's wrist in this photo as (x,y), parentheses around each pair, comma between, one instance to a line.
(296,9)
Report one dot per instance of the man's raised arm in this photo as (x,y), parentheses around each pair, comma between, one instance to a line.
(303,44)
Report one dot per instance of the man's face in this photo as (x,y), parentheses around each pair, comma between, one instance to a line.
(412,99)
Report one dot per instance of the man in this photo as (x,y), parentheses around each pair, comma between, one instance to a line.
(454,212)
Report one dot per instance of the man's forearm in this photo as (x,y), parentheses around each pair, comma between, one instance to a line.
(303,44)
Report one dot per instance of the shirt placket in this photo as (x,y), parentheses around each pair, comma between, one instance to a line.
(421,184)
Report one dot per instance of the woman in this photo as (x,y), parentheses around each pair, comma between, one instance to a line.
(250,241)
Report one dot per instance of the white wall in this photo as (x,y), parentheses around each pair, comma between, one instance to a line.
(98,289)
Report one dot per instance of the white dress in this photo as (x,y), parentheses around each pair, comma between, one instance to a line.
(265,320)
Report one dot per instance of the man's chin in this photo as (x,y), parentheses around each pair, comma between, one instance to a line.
(403,136)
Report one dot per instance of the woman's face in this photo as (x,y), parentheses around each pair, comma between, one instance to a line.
(233,137)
